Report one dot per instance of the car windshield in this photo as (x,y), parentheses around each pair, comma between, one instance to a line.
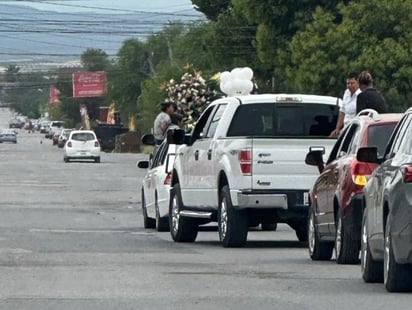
(378,135)
(83,136)
(284,120)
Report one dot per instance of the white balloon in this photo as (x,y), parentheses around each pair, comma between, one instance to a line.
(227,88)
(237,85)
(247,73)
(248,87)
(224,76)
(236,73)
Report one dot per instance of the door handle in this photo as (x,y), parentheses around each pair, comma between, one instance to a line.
(197,155)
(209,154)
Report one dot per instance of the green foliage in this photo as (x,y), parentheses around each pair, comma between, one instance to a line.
(95,60)
(212,8)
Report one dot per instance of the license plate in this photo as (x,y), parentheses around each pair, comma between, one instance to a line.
(306,198)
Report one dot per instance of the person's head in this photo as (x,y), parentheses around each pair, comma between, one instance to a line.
(177,119)
(365,80)
(352,82)
(168,107)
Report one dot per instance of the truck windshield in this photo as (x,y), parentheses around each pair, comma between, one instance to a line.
(284,120)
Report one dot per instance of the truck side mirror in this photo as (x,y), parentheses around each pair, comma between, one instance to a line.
(368,154)
(148,139)
(176,136)
(315,158)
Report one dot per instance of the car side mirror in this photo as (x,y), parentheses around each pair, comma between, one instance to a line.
(176,136)
(368,154)
(315,158)
(144,164)
(148,139)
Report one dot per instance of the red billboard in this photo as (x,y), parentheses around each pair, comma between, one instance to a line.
(54,94)
(89,84)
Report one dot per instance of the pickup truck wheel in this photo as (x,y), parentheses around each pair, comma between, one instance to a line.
(317,250)
(372,271)
(233,224)
(346,249)
(302,233)
(181,229)
(397,277)
(269,226)
(148,222)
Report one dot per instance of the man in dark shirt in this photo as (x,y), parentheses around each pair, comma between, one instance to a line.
(369,98)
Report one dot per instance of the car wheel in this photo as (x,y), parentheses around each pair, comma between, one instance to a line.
(397,277)
(269,226)
(148,222)
(233,224)
(372,271)
(162,223)
(346,249)
(317,250)
(97,160)
(182,229)
(66,159)
(301,233)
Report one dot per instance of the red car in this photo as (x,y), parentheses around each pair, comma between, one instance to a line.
(336,199)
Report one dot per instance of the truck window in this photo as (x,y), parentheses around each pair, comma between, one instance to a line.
(284,120)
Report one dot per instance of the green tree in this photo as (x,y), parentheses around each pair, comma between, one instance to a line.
(95,60)
(212,8)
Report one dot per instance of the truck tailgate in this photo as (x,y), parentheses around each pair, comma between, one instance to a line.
(280,163)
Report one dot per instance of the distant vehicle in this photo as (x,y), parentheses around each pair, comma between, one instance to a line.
(82,144)
(44,127)
(386,246)
(53,126)
(56,135)
(156,184)
(64,135)
(336,199)
(15,123)
(7,135)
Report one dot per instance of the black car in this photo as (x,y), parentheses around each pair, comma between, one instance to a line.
(386,240)
(15,123)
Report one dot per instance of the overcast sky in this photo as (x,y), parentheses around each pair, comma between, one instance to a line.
(105,6)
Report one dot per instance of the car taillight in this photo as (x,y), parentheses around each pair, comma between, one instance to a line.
(407,173)
(96,143)
(168,179)
(69,144)
(245,160)
(360,172)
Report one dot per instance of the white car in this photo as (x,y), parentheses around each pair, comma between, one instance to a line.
(156,186)
(82,144)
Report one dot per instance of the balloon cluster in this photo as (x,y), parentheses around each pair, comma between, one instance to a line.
(237,82)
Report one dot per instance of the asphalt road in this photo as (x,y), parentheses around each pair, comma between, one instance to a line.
(72,237)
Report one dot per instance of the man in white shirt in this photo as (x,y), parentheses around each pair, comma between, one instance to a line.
(347,110)
(163,121)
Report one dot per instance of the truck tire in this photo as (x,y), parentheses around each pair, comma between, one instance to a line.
(372,271)
(397,277)
(317,250)
(346,249)
(233,224)
(181,229)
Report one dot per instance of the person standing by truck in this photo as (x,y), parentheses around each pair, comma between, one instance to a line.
(370,98)
(163,121)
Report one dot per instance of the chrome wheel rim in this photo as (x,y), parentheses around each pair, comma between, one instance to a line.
(223,220)
(175,215)
(311,235)
(338,241)
(386,258)
(364,244)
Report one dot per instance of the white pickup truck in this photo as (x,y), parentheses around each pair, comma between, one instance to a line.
(244,164)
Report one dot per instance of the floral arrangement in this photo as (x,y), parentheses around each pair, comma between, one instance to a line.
(192,94)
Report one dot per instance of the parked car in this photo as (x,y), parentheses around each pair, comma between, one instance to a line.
(336,199)
(156,184)
(386,247)
(64,135)
(82,144)
(44,126)
(8,135)
(15,123)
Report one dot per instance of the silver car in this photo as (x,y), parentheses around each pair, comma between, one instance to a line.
(386,235)
(8,135)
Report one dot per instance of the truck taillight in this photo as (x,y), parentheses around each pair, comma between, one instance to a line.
(96,143)
(245,160)
(360,172)
(69,144)
(168,179)
(407,173)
